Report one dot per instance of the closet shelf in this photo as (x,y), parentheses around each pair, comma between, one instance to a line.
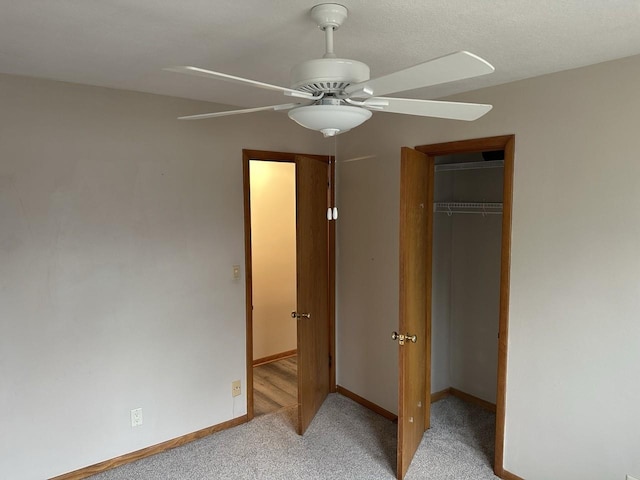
(446,167)
(481,208)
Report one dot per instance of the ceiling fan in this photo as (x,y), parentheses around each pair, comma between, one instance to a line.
(333,95)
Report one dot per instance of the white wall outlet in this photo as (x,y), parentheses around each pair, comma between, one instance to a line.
(136,417)
(235,388)
(236,272)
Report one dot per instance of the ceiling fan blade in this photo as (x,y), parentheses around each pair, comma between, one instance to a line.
(201,72)
(455,66)
(431,108)
(202,116)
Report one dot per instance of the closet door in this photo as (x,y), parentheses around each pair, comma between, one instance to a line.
(415,273)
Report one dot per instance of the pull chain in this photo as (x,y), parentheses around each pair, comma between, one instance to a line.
(332,210)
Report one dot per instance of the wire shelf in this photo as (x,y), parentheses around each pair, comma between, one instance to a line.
(481,208)
(447,167)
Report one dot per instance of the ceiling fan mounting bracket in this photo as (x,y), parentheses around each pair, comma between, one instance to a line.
(329,15)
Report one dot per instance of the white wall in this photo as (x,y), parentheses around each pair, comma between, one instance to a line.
(119,227)
(367,276)
(574,343)
(441,274)
(273,256)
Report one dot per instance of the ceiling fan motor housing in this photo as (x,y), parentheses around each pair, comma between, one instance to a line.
(328,75)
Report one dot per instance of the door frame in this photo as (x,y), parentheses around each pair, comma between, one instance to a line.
(289,157)
(506,143)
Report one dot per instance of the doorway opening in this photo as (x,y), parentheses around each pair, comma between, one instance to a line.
(290,283)
(472,185)
(273,261)
(465,290)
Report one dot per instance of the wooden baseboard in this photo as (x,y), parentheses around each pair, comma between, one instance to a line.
(366,403)
(491,407)
(147,452)
(275,357)
(440,395)
(509,476)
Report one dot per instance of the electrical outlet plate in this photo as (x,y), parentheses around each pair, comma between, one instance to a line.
(136,417)
(236,389)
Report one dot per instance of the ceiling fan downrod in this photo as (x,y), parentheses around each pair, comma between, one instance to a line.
(328,35)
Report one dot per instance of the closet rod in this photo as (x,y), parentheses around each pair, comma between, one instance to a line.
(482,208)
(446,167)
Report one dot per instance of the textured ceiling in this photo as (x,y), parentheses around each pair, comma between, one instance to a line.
(126,43)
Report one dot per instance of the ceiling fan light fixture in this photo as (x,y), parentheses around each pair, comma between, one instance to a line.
(329,119)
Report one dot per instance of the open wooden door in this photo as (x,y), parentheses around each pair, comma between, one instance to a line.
(415,270)
(313,287)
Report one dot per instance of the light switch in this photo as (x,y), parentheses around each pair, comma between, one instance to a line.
(236,272)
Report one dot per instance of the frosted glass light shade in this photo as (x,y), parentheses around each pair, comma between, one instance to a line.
(329,119)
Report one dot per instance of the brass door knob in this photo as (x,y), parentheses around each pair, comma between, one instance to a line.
(403,338)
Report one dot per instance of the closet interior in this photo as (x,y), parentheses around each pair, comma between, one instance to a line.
(467,228)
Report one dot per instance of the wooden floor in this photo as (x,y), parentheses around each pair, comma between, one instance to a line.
(275,385)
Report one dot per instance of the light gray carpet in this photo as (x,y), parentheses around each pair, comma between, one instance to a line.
(345,441)
(459,445)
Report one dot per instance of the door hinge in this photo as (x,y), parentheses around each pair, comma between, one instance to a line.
(329,361)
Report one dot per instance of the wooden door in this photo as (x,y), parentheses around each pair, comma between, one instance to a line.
(313,287)
(415,270)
